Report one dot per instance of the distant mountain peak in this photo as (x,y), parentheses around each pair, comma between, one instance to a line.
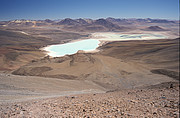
(67,21)
(48,21)
(155,28)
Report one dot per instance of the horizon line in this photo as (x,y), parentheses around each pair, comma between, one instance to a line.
(91,18)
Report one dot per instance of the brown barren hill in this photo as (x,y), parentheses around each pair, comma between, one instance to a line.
(18,48)
(118,65)
(155,28)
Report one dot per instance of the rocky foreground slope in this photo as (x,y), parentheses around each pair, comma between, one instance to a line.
(155,101)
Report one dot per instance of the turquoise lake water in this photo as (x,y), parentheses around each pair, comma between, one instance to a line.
(73,47)
(92,44)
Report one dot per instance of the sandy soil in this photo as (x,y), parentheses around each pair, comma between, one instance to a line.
(22,88)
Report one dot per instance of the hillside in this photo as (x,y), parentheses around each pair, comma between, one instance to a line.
(129,64)
(155,53)
(18,47)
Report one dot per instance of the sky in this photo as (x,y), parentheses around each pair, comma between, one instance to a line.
(60,9)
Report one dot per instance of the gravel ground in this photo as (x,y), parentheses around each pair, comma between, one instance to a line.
(156,101)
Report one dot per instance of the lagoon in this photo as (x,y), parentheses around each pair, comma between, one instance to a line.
(92,44)
(72,47)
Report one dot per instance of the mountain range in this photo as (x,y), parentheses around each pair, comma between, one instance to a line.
(82,24)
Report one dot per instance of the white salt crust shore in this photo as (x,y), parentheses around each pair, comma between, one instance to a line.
(104,39)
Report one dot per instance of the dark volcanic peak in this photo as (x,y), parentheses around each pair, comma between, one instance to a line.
(48,21)
(111,19)
(119,21)
(68,21)
(110,25)
(101,21)
(155,28)
(105,23)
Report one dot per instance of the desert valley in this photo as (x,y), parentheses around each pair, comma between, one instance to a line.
(89,68)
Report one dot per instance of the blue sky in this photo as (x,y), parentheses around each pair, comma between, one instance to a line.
(59,9)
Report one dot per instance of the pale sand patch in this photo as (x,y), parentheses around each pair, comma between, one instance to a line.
(24,33)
